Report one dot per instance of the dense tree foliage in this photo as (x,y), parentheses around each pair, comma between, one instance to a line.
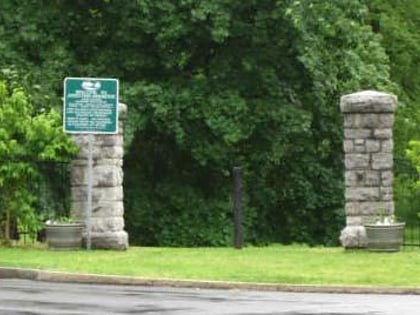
(396,21)
(210,85)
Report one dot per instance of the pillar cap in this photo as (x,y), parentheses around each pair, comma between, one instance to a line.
(368,102)
(122,111)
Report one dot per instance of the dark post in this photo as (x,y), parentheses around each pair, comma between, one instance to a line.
(237,207)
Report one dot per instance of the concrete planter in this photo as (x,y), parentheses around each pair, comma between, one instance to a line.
(64,236)
(385,237)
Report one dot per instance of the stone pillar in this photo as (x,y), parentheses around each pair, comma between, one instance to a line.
(107,221)
(368,145)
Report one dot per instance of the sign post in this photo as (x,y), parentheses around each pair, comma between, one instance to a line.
(90,107)
(88,210)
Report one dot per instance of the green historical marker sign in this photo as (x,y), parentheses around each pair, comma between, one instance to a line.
(90,105)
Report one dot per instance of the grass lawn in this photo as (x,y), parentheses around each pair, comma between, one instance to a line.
(293,264)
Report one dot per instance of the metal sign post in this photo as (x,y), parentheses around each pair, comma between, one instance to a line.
(237,207)
(88,209)
(90,107)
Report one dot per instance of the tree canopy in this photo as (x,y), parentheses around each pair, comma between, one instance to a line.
(216,84)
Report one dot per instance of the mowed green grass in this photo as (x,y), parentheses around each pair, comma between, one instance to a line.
(278,264)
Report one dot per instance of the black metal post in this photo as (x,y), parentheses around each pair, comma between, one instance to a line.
(237,207)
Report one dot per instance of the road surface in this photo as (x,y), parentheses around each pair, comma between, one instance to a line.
(26,297)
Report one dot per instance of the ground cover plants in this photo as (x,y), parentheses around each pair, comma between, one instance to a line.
(293,264)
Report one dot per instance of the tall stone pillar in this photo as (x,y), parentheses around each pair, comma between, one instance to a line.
(368,145)
(107,221)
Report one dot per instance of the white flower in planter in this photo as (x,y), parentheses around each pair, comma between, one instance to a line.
(385,220)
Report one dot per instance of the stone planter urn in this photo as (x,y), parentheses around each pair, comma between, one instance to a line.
(385,237)
(64,236)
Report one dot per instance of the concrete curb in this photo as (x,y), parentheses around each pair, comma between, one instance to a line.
(55,276)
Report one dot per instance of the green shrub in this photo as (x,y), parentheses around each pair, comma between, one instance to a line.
(25,136)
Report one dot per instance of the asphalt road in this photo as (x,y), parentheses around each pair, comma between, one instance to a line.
(26,297)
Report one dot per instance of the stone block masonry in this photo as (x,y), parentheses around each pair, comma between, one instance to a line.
(107,219)
(368,145)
